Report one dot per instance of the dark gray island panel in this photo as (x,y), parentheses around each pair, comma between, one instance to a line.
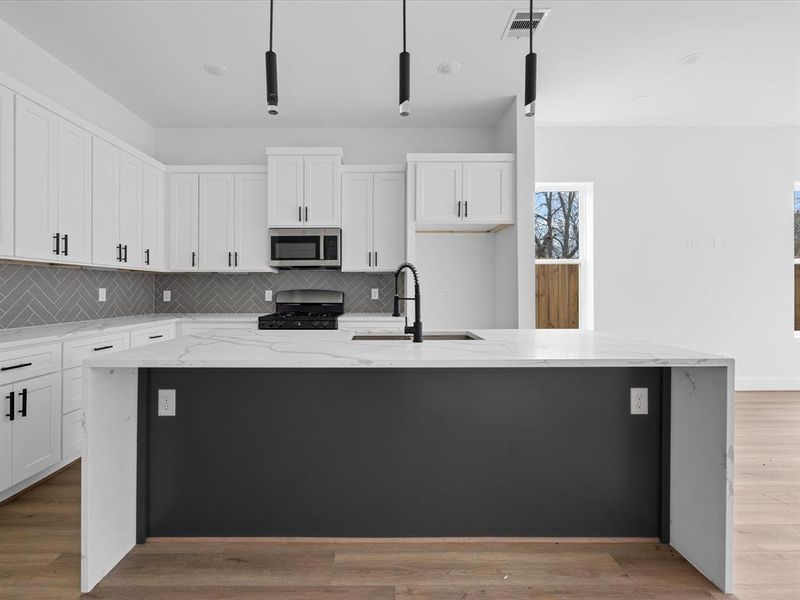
(401,452)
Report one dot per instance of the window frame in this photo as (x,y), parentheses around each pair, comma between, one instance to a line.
(585,191)
(796,260)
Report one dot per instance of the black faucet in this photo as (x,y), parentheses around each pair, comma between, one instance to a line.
(416,328)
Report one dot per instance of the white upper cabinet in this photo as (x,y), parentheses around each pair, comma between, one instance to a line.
(6,173)
(130,209)
(74,193)
(152,218)
(36,173)
(466,190)
(216,222)
(321,191)
(373,221)
(487,192)
(106,246)
(250,211)
(184,221)
(303,189)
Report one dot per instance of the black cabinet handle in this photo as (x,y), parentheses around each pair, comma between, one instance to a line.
(119,252)
(376,258)
(147,256)
(155,337)
(369,258)
(24,411)
(57,249)
(10,413)
(103,348)
(125,247)
(306,214)
(235,259)
(193,257)
(300,213)
(66,244)
(466,209)
(19,366)
(230,256)
(459,208)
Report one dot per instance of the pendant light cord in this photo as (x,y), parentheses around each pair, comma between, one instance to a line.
(530,25)
(404,25)
(270,24)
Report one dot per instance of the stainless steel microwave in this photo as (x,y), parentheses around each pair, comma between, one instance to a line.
(314,248)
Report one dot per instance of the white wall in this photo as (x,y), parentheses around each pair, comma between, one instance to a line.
(361,145)
(656,188)
(31,65)
(456,280)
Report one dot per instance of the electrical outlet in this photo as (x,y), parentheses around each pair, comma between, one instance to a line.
(638,401)
(167,296)
(166,403)
(268,295)
(374,293)
(101,294)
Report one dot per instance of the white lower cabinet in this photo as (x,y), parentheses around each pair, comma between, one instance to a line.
(72,435)
(76,351)
(152,335)
(30,435)
(71,390)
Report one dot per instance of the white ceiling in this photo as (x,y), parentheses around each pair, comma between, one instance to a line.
(600,63)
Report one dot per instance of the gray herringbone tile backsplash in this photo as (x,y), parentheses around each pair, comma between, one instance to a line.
(227,293)
(41,295)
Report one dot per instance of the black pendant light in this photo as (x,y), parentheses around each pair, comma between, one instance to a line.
(271,60)
(530,72)
(405,73)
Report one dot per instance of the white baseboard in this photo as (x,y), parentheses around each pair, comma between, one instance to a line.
(764,384)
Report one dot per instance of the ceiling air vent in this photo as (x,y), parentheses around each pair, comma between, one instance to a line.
(519,24)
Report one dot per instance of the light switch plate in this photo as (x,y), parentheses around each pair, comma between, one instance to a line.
(268,295)
(101,294)
(166,403)
(374,293)
(638,401)
(167,296)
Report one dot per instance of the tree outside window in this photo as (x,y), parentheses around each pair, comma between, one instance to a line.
(557,225)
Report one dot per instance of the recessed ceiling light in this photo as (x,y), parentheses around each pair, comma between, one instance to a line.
(215,69)
(692,59)
(449,67)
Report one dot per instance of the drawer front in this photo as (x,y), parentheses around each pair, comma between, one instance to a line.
(152,335)
(208,327)
(71,392)
(72,435)
(373,326)
(29,361)
(76,351)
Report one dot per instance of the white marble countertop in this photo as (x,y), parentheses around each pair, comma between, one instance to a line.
(315,349)
(51,333)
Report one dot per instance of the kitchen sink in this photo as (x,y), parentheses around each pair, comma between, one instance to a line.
(432,337)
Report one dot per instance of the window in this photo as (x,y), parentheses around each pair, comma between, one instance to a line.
(563,253)
(797,257)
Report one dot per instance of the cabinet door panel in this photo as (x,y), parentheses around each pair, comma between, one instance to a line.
(6,437)
(389,218)
(152,218)
(183,222)
(36,195)
(487,192)
(321,191)
(285,191)
(251,221)
(130,209)
(74,192)
(6,172)
(105,203)
(438,192)
(37,434)
(216,222)
(357,222)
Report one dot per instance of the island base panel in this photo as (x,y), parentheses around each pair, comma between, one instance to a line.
(402,453)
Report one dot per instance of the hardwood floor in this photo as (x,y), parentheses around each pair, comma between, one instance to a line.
(40,549)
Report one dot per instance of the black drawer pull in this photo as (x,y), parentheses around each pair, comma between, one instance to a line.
(66,244)
(155,337)
(19,366)
(10,413)
(102,348)
(147,256)
(57,249)
(235,259)
(24,411)
(125,248)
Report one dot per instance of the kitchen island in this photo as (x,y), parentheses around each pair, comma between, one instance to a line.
(315,434)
